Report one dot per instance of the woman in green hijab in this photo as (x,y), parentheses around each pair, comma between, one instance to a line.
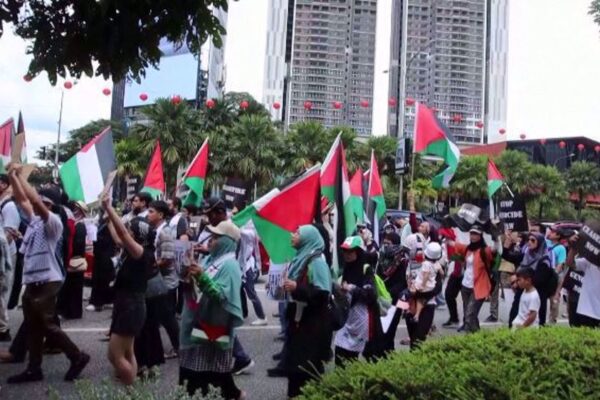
(309,333)
(207,324)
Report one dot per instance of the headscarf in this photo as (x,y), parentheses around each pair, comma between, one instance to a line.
(532,257)
(223,245)
(311,243)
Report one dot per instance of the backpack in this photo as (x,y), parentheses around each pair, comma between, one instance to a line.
(338,306)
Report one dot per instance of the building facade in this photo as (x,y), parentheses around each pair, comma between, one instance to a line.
(454,57)
(320,62)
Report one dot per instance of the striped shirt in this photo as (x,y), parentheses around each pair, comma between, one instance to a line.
(40,263)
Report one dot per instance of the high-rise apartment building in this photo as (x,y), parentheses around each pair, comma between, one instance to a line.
(454,56)
(320,61)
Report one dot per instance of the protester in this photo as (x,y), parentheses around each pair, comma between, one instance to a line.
(104,267)
(129,311)
(165,260)
(178,222)
(588,306)
(139,206)
(558,258)
(215,211)
(529,303)
(43,277)
(455,276)
(392,263)
(249,259)
(422,283)
(403,228)
(309,333)
(358,282)
(70,298)
(208,326)
(476,285)
(536,256)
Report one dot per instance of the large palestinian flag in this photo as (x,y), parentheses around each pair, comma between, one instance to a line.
(494,178)
(280,212)
(432,137)
(357,196)
(83,176)
(195,176)
(154,182)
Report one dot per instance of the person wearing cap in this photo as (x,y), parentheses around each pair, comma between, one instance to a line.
(70,298)
(476,283)
(558,251)
(358,282)
(308,284)
(207,327)
(215,210)
(43,278)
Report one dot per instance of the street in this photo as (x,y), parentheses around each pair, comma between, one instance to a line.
(259,343)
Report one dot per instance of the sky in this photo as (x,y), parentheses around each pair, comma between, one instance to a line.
(553,79)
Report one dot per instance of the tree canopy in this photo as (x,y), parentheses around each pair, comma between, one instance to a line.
(108,38)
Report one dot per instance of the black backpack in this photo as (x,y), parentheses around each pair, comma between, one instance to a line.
(338,306)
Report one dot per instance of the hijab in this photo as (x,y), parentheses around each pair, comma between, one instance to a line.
(223,245)
(532,257)
(311,243)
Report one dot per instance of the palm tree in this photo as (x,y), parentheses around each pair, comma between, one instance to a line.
(547,187)
(516,169)
(583,179)
(470,179)
(306,144)
(129,159)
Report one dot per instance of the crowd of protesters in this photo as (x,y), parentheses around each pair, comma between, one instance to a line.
(199,297)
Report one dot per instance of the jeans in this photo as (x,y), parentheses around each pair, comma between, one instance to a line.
(452,290)
(39,306)
(239,354)
(252,296)
(471,310)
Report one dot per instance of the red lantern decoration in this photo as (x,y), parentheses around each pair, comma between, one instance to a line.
(244,104)
(502,131)
(410,101)
(562,144)
(479,124)
(176,100)
(68,85)
(106,91)
(580,147)
(337,105)
(27,78)
(522,136)
(143,97)
(276,105)
(542,142)
(597,148)
(307,105)
(457,118)
(364,103)
(392,102)
(210,104)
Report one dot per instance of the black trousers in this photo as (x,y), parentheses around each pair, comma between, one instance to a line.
(168,319)
(418,330)
(343,356)
(194,380)
(451,294)
(297,380)
(15,292)
(70,298)
(148,346)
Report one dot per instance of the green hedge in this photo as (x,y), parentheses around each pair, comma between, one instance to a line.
(548,363)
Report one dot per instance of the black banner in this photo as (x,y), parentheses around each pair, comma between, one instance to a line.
(235,190)
(513,214)
(589,242)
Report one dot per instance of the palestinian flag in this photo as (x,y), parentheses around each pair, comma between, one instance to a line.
(494,178)
(154,182)
(376,208)
(273,220)
(195,176)
(7,130)
(357,196)
(21,131)
(83,176)
(432,137)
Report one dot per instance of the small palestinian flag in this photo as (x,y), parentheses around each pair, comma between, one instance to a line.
(21,131)
(376,208)
(84,175)
(432,137)
(494,178)
(154,182)
(7,131)
(357,195)
(195,176)
(273,220)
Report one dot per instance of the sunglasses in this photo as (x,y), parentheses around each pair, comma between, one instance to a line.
(532,240)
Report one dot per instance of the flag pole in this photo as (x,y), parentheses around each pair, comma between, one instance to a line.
(509,191)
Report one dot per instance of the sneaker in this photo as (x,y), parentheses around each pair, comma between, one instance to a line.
(450,324)
(240,368)
(171,354)
(259,322)
(461,328)
(5,336)
(27,376)
(77,366)
(92,307)
(491,319)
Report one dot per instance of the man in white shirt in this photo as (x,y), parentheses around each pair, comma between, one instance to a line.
(588,307)
(43,277)
(529,304)
(178,222)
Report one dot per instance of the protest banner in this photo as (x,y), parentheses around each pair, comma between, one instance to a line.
(513,214)
(589,242)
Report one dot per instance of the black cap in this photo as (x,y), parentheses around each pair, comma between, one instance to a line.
(213,204)
(50,194)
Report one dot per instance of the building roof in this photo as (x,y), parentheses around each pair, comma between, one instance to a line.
(491,150)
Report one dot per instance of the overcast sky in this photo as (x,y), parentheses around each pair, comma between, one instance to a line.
(554,83)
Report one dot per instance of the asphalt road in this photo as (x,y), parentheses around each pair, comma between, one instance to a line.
(259,343)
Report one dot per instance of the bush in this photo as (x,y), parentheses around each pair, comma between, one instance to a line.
(548,363)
